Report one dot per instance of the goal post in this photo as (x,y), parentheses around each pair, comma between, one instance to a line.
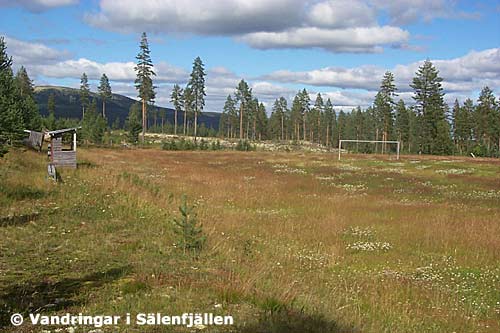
(397,143)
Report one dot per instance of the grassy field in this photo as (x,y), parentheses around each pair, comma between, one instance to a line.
(296,242)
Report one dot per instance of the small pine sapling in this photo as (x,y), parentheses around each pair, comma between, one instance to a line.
(190,232)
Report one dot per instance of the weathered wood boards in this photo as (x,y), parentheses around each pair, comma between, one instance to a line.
(58,156)
(35,139)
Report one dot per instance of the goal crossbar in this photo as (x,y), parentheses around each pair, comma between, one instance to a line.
(370,141)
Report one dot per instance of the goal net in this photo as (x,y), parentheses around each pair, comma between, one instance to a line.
(383,142)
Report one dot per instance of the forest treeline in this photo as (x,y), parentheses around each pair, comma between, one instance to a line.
(428,126)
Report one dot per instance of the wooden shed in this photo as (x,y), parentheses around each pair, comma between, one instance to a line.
(60,153)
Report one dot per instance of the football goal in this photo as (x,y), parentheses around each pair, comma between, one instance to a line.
(397,143)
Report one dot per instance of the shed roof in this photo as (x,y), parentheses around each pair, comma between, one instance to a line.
(62,131)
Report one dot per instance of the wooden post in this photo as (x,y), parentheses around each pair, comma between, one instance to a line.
(74,141)
(340,147)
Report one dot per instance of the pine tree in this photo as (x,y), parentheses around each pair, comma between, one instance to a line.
(261,122)
(402,124)
(84,93)
(176,99)
(466,124)
(434,133)
(243,95)
(296,116)
(133,123)
(104,89)
(317,114)
(230,112)
(329,122)
(144,80)
(188,103)
(384,107)
(487,121)
(197,85)
(305,102)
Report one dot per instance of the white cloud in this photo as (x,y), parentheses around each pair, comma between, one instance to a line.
(342,14)
(352,40)
(467,73)
(333,25)
(25,53)
(208,17)
(408,11)
(37,5)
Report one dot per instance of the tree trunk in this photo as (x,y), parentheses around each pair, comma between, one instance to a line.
(319,129)
(195,125)
(175,122)
(254,128)
(185,122)
(282,127)
(143,120)
(241,121)
(104,109)
(304,126)
(327,136)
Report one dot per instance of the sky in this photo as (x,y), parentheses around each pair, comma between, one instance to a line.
(339,48)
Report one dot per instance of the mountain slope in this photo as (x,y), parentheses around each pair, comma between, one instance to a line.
(68,106)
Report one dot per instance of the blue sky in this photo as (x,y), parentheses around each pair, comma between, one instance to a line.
(340,48)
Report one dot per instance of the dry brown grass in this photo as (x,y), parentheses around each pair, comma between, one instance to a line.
(276,226)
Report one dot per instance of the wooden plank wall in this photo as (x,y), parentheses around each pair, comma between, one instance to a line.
(64,158)
(35,140)
(56,144)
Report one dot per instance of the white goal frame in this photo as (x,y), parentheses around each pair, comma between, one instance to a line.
(398,144)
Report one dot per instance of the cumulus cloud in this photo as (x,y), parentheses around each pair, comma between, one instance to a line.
(333,25)
(353,40)
(25,53)
(37,5)
(209,17)
(116,71)
(408,11)
(342,14)
(467,73)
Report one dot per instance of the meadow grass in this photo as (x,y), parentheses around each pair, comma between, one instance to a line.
(296,242)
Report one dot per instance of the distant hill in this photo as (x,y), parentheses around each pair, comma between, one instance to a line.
(68,106)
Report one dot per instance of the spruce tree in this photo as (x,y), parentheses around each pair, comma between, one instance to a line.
(24,83)
(402,124)
(329,122)
(84,93)
(50,121)
(176,99)
(434,130)
(144,79)
(261,122)
(133,123)
(317,114)
(197,85)
(104,89)
(486,119)
(93,125)
(11,117)
(29,109)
